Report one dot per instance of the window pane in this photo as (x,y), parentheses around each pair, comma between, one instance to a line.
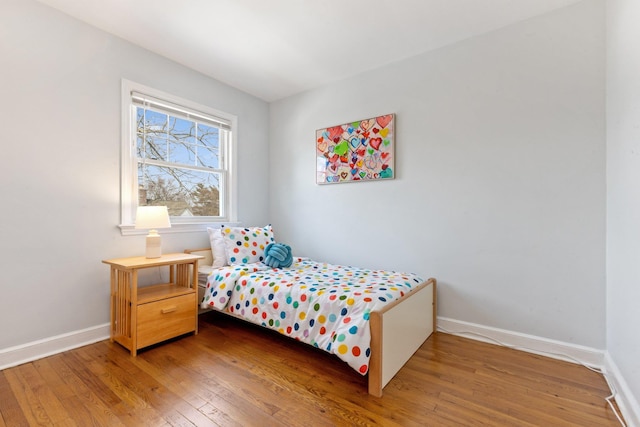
(176,140)
(209,146)
(182,130)
(139,119)
(185,192)
(182,153)
(140,146)
(156,148)
(155,122)
(208,157)
(208,135)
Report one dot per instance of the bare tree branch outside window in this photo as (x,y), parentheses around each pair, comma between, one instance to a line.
(178,164)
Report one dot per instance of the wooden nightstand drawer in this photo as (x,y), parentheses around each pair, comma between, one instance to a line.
(164,319)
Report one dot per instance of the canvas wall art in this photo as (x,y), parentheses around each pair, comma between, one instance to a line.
(356,151)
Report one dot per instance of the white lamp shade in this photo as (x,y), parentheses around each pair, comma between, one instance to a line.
(152,217)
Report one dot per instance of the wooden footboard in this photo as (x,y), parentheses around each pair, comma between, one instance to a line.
(397,331)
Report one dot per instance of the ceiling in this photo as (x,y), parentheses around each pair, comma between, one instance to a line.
(276,48)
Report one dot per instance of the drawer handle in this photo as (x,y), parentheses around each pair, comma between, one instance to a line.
(169,309)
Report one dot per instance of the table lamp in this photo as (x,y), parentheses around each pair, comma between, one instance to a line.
(152,217)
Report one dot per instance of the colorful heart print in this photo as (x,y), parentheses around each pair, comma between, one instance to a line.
(342,148)
(334,132)
(357,150)
(366,124)
(383,121)
(375,143)
(370,162)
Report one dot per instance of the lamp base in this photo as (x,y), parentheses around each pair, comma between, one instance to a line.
(154,245)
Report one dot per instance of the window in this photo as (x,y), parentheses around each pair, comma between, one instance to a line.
(178,154)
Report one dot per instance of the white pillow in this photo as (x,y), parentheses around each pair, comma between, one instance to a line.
(218,249)
(246,245)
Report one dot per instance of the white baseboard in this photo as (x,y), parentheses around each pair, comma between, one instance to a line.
(627,403)
(529,343)
(34,350)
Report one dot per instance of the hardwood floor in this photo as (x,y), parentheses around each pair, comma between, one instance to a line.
(233,373)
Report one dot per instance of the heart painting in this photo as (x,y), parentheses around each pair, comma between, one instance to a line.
(361,150)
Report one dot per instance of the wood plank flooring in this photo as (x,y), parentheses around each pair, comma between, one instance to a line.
(235,374)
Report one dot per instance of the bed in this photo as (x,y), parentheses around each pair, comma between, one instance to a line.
(394,329)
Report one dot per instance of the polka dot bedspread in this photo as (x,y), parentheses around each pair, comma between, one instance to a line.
(324,305)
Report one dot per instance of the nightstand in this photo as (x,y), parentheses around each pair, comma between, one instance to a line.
(142,316)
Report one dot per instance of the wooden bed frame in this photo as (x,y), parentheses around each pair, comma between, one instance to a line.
(415,315)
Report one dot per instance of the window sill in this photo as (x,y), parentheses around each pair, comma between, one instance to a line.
(130,230)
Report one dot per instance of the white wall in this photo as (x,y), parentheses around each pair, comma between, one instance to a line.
(500,188)
(59,187)
(623,191)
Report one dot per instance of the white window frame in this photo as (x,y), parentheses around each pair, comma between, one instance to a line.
(129,163)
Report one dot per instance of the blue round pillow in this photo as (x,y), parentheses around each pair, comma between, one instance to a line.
(278,255)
